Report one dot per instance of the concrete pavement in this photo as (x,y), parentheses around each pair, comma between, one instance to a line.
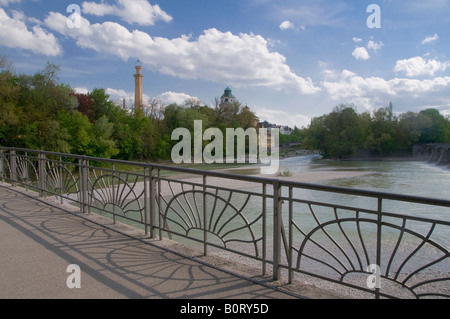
(38,242)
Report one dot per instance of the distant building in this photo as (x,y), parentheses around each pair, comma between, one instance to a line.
(285,130)
(266,124)
(227,96)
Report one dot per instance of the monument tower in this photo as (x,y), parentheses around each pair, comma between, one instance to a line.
(138,101)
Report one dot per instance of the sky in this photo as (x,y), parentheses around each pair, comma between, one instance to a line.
(288,60)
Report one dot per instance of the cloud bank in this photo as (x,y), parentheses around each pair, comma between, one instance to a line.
(242,60)
(134,12)
(14,33)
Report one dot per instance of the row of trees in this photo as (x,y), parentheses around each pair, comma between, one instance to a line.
(39,112)
(344,132)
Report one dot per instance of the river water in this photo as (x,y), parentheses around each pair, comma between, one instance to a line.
(394,177)
(400,177)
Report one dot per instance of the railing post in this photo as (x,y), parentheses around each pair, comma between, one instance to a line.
(113,193)
(291,236)
(205,218)
(152,202)
(264,227)
(12,165)
(276,229)
(146,203)
(83,176)
(160,221)
(61,186)
(42,175)
(378,257)
(2,167)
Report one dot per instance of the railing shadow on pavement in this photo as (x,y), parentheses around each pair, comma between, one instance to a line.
(128,267)
(384,245)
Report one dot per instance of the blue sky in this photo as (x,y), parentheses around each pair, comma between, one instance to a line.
(288,60)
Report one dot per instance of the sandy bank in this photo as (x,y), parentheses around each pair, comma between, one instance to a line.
(302,177)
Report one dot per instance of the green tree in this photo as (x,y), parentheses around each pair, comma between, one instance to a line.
(101,106)
(9,114)
(411,126)
(151,138)
(126,133)
(383,136)
(338,134)
(438,131)
(246,118)
(103,144)
(79,129)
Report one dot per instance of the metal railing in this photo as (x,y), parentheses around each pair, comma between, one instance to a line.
(381,244)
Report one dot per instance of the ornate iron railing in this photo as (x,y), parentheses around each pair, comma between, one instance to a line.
(385,245)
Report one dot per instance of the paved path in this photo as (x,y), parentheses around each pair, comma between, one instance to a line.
(39,241)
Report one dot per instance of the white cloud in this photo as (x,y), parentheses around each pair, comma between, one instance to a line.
(14,33)
(375,46)
(58,22)
(166,98)
(285,25)
(120,94)
(81,90)
(281,117)
(174,97)
(312,13)
(419,66)
(7,2)
(430,39)
(360,53)
(132,11)
(242,60)
(373,92)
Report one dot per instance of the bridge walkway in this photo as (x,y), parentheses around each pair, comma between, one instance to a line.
(39,241)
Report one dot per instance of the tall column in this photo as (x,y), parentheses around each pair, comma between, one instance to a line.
(138,101)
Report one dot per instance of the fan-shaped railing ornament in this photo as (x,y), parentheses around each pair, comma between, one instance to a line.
(5,169)
(112,193)
(330,251)
(60,180)
(224,218)
(26,171)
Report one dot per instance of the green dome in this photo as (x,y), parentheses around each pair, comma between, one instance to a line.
(228,93)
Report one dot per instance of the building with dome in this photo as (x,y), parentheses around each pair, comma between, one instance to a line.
(227,96)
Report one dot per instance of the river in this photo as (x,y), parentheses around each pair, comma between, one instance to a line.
(400,177)
(394,177)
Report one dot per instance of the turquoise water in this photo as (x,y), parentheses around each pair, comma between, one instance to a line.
(393,177)
(400,177)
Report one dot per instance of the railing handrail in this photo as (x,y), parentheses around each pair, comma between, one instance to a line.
(256,179)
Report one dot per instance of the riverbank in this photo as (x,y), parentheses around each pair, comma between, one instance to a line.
(315,176)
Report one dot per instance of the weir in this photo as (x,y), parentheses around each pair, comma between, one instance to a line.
(438,153)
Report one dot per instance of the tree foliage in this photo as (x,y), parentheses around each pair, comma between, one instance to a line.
(39,112)
(344,132)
